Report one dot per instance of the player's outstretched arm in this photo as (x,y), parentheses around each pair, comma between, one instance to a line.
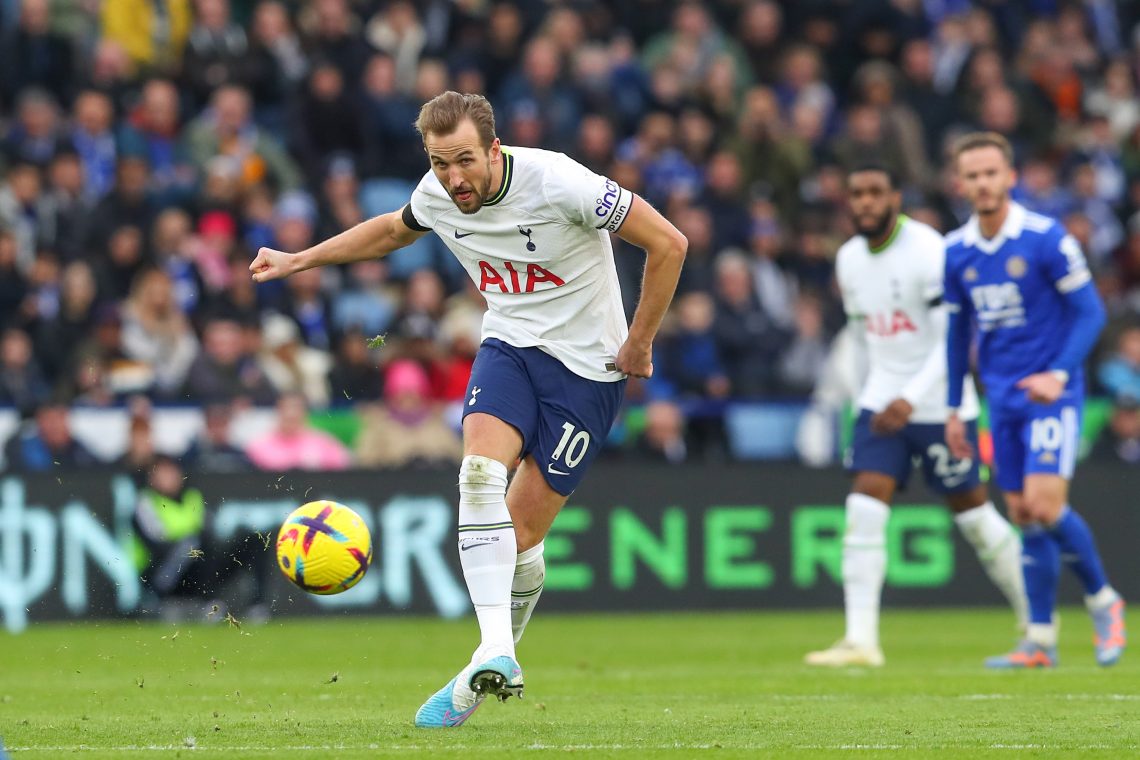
(665,249)
(371,239)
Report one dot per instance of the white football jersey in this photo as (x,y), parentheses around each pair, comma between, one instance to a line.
(893,290)
(539,250)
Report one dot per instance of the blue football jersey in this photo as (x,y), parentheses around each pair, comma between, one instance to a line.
(1014,287)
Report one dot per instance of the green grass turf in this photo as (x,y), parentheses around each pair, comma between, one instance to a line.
(634,686)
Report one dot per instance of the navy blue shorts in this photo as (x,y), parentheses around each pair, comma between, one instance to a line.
(563,418)
(894,454)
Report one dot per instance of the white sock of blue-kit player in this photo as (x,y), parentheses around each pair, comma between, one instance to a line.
(998,547)
(530,571)
(487,550)
(864,567)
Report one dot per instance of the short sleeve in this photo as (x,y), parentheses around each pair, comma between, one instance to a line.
(409,218)
(422,217)
(933,272)
(582,197)
(846,287)
(1065,261)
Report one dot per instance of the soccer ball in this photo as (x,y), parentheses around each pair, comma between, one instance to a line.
(324,547)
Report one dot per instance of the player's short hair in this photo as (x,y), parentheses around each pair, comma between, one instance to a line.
(876,166)
(975,140)
(442,115)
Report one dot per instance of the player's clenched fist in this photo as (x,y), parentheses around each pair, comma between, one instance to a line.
(635,359)
(272,265)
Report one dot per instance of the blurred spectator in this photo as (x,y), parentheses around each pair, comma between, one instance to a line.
(44,443)
(140,454)
(94,141)
(334,35)
(775,288)
(278,62)
(394,146)
(157,333)
(1119,375)
(291,366)
(122,260)
(57,338)
(217,51)
(178,555)
(152,32)
(1116,99)
(153,130)
(326,121)
(226,128)
(173,247)
(310,308)
(690,356)
(663,439)
(35,135)
(225,369)
(397,32)
(294,445)
(26,212)
(129,204)
(408,428)
(369,303)
(749,342)
(354,376)
(22,383)
(340,207)
(723,197)
(70,204)
(1120,441)
(212,449)
(539,87)
(100,370)
(31,55)
(804,360)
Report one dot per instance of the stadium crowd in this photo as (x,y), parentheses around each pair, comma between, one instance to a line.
(147,149)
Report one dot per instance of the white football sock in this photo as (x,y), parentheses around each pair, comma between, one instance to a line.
(530,571)
(864,567)
(999,550)
(1102,599)
(487,550)
(1042,634)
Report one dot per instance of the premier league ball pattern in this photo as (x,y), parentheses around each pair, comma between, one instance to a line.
(324,547)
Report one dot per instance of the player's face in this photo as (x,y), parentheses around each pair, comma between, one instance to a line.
(463,165)
(873,202)
(985,178)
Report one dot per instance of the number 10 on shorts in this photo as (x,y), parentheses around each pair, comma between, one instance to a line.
(573,445)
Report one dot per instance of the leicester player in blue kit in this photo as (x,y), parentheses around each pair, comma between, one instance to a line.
(1020,286)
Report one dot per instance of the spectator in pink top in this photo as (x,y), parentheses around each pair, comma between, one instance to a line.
(293,445)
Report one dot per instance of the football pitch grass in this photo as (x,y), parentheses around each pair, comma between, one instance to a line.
(621,686)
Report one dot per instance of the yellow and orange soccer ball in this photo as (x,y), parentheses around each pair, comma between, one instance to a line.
(324,547)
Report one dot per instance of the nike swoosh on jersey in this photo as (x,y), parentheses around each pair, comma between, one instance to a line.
(552,471)
(465,234)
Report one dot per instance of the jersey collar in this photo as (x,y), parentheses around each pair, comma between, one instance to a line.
(508,174)
(1010,230)
(902,218)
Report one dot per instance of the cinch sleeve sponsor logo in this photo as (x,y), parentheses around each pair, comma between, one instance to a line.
(612,206)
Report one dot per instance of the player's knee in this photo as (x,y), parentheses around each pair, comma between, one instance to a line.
(1041,508)
(876,486)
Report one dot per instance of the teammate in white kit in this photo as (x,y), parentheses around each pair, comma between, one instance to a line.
(890,276)
(532,229)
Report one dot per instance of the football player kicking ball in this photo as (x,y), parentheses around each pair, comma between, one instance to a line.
(532,229)
(890,276)
(1021,285)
